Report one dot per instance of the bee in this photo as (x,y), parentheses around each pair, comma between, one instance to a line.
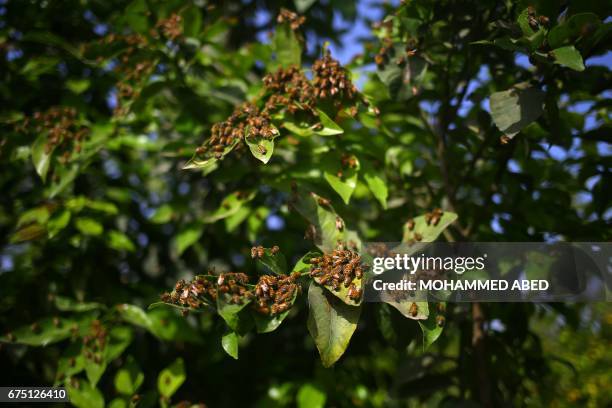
(428,217)
(324,202)
(348,279)
(261,149)
(35,327)
(263,309)
(56,322)
(221,279)
(179,285)
(324,279)
(335,285)
(236,299)
(505,139)
(414,310)
(358,273)
(295,276)
(254,252)
(418,236)
(440,320)
(260,252)
(411,52)
(10,337)
(410,224)
(339,223)
(354,293)
(275,250)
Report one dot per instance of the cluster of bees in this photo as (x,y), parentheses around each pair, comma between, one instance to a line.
(95,342)
(62,129)
(290,89)
(295,20)
(387,51)
(171,27)
(331,80)
(190,294)
(340,267)
(274,294)
(231,130)
(258,252)
(534,20)
(434,216)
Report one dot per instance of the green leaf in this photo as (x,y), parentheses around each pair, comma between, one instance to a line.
(276,262)
(431,330)
(302,265)
(71,363)
(262,148)
(120,338)
(229,342)
(230,312)
(321,217)
(376,183)
(129,378)
(286,47)
(342,180)
(331,323)
(299,130)
(575,26)
(311,395)
(171,378)
(330,127)
(303,5)
(119,241)
(58,222)
(430,232)
(210,163)
(85,395)
(568,57)
(404,306)
(66,304)
(403,80)
(162,215)
(187,236)
(516,108)
(523,22)
(192,21)
(40,158)
(89,226)
(42,333)
(229,206)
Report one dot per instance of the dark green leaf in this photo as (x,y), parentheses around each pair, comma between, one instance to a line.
(171,378)
(569,57)
(516,108)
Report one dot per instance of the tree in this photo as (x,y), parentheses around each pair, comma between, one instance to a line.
(151,147)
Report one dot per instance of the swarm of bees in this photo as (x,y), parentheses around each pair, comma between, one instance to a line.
(331,80)
(258,252)
(274,294)
(95,342)
(290,89)
(60,125)
(434,216)
(192,294)
(387,51)
(171,27)
(295,20)
(340,267)
(260,126)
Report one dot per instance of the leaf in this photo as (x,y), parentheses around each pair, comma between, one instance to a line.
(430,232)
(331,323)
(162,215)
(523,22)
(187,236)
(120,338)
(72,362)
(402,80)
(343,292)
(431,330)
(229,311)
(342,180)
(66,304)
(192,21)
(276,262)
(262,148)
(171,378)
(209,164)
(229,206)
(302,265)
(229,342)
(89,226)
(376,183)
(516,108)
(311,396)
(322,217)
(404,307)
(85,395)
(569,57)
(330,127)
(58,222)
(119,241)
(42,333)
(574,27)
(129,378)
(286,47)
(303,5)
(40,158)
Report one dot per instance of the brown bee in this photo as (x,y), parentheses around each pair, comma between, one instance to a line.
(254,252)
(261,149)
(414,310)
(418,236)
(324,202)
(295,276)
(339,223)
(10,337)
(543,20)
(275,250)
(441,307)
(354,293)
(411,52)
(440,320)
(57,322)
(260,252)
(505,139)
(35,327)
(410,224)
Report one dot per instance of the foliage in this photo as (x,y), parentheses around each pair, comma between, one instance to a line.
(145,143)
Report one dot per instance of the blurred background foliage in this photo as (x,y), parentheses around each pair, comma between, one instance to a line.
(496,111)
